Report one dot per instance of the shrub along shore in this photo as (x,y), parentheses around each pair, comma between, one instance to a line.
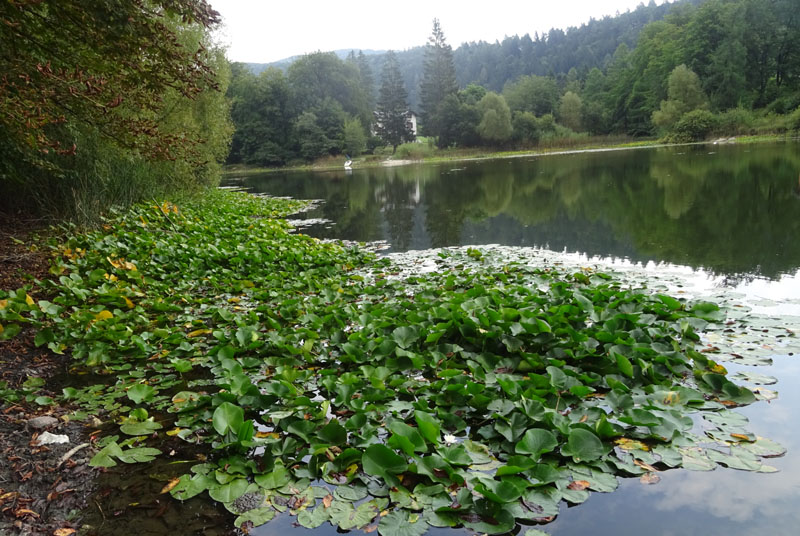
(323,385)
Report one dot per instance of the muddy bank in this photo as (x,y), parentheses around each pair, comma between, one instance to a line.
(43,486)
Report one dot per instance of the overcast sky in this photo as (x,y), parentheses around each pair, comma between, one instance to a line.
(266,31)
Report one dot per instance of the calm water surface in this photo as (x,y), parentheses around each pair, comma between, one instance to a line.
(733,210)
(727,211)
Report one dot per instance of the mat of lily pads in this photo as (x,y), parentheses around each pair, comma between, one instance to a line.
(463,387)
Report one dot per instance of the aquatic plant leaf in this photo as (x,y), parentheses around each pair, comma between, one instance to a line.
(257,516)
(401,523)
(313,518)
(140,428)
(141,392)
(229,492)
(536,442)
(583,445)
(428,426)
(227,418)
(381,461)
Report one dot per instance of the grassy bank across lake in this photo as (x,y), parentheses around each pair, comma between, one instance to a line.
(329,385)
(433,155)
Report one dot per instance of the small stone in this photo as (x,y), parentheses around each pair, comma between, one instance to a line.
(40,423)
(46,438)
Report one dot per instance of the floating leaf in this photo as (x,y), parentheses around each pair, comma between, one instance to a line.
(229,492)
(399,523)
(256,516)
(583,445)
(140,393)
(228,417)
(536,442)
(135,428)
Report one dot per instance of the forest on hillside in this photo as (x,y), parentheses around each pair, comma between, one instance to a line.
(681,71)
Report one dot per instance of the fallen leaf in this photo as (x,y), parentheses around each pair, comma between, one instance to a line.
(197,332)
(103,315)
(578,485)
(645,466)
(649,478)
(64,532)
(171,484)
(630,444)
(327,500)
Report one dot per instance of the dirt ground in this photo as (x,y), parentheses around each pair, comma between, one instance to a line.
(42,487)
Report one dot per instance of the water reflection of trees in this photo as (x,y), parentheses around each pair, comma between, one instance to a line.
(731,212)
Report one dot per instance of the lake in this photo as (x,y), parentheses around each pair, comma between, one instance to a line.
(725,216)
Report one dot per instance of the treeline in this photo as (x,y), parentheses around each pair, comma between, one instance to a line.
(322,105)
(110,105)
(681,71)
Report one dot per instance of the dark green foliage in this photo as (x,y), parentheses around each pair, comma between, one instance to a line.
(438,80)
(108,105)
(261,112)
(525,126)
(458,123)
(311,139)
(392,121)
(694,126)
(535,94)
(318,77)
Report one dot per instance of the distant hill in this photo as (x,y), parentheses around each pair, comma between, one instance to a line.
(284,63)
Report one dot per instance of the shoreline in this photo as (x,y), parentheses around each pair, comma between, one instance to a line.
(501,155)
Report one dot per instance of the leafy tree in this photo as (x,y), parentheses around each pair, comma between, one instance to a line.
(595,112)
(495,124)
(438,79)
(320,76)
(472,94)
(66,68)
(570,109)
(525,127)
(685,94)
(260,109)
(459,122)
(392,120)
(694,126)
(310,137)
(355,140)
(536,94)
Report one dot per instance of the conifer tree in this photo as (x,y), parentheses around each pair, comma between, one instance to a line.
(392,119)
(438,79)
(367,82)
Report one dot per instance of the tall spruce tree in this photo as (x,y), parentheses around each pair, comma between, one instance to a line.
(367,82)
(392,119)
(438,79)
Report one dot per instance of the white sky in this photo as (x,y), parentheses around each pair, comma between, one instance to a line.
(265,31)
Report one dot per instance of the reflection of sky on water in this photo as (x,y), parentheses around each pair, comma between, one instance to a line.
(686,503)
(723,501)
